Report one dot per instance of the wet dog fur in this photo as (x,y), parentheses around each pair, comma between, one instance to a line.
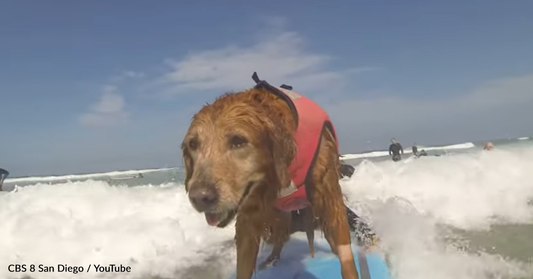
(236,153)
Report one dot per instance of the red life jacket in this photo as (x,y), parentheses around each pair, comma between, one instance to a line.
(312,120)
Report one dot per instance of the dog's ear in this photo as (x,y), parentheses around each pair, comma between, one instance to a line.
(188,163)
(282,149)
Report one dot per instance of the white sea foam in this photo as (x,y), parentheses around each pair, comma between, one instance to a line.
(152,229)
(469,191)
(156,232)
(37,179)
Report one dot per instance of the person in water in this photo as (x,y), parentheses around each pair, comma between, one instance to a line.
(394,149)
(488,146)
(415,150)
(3,175)
(421,153)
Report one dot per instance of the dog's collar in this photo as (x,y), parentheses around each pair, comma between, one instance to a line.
(262,84)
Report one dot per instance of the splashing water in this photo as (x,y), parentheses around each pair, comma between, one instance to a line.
(415,206)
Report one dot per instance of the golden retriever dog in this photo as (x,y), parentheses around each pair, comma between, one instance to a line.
(242,156)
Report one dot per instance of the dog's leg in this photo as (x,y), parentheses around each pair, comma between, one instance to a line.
(310,224)
(328,202)
(280,234)
(274,256)
(331,242)
(311,241)
(247,242)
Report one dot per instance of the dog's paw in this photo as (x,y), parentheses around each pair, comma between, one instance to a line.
(269,262)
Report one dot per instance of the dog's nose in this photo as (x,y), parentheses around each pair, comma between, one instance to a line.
(203,197)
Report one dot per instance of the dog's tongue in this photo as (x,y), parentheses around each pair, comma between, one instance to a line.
(212,219)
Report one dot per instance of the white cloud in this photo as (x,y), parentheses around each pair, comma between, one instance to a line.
(110,110)
(278,58)
(510,90)
(488,96)
(133,74)
(127,75)
(282,57)
(493,109)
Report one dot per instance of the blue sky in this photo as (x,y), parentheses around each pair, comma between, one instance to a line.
(101,85)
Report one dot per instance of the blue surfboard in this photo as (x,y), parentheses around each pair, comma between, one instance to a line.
(296,263)
(369,266)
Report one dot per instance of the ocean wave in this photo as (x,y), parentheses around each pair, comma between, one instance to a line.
(155,230)
(381,153)
(80,176)
(468,191)
(127,173)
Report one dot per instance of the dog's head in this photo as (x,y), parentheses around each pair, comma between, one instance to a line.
(241,141)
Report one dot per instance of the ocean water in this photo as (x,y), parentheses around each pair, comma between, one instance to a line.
(464,214)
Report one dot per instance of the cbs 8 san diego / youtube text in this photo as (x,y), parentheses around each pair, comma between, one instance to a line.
(65,268)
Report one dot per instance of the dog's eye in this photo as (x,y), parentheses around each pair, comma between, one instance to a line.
(237,141)
(193,144)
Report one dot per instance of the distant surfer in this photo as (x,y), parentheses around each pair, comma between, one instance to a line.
(394,149)
(488,146)
(3,175)
(421,153)
(140,175)
(418,154)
